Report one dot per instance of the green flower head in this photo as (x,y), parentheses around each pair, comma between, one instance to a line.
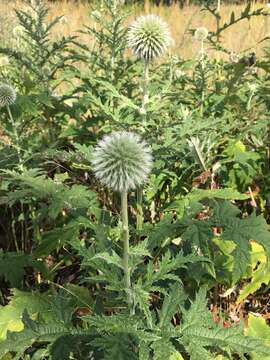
(18,31)
(201,34)
(149,37)
(4,61)
(7,95)
(122,161)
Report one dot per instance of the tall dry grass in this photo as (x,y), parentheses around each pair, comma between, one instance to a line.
(243,36)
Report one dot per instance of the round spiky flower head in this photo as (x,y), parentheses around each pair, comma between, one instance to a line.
(122,161)
(18,31)
(201,34)
(4,61)
(7,95)
(149,37)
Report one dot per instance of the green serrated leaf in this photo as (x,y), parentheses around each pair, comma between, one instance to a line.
(258,328)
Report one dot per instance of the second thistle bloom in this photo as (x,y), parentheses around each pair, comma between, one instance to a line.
(122,161)
(201,34)
(149,37)
(7,95)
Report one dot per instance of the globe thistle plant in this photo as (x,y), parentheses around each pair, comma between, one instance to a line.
(7,95)
(122,162)
(201,35)
(149,37)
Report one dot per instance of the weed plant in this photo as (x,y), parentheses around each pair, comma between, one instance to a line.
(134,197)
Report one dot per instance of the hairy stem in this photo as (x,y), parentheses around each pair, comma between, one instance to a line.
(203,66)
(18,150)
(124,214)
(139,220)
(13,229)
(144,103)
(16,136)
(146,84)
(202,52)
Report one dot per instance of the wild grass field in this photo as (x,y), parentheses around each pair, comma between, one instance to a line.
(134,181)
(245,36)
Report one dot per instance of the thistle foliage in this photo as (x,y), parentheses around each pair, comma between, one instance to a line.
(209,153)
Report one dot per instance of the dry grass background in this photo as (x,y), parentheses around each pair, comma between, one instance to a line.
(244,35)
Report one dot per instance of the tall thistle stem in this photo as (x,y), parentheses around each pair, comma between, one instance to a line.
(124,215)
(201,35)
(16,136)
(146,84)
(123,162)
(149,38)
(139,220)
(18,150)
(202,52)
(202,64)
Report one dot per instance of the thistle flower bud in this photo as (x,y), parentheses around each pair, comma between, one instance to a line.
(7,95)
(96,15)
(179,74)
(149,37)
(142,111)
(201,34)
(4,61)
(234,58)
(18,31)
(122,161)
(253,87)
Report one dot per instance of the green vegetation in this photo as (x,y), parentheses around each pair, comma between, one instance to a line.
(104,254)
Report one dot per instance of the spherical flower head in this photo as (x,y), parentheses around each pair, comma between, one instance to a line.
(179,74)
(18,31)
(122,161)
(234,57)
(7,95)
(149,37)
(253,87)
(96,15)
(4,61)
(201,34)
